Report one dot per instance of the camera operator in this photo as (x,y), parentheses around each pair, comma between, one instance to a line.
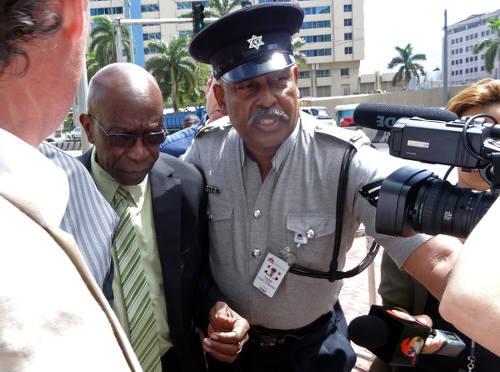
(472,296)
(399,289)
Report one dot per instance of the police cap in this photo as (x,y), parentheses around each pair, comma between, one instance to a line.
(249,42)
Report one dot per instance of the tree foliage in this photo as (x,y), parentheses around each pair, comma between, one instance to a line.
(491,45)
(408,65)
(173,68)
(300,59)
(103,41)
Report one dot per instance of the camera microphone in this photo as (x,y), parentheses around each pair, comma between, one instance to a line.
(381,116)
(398,338)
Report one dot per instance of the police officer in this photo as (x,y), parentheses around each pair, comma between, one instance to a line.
(272,180)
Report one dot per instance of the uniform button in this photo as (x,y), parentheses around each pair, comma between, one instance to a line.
(257,214)
(256,253)
(310,234)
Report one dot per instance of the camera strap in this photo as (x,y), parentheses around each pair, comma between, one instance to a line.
(333,274)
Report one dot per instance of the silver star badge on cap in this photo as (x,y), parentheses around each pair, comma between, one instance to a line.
(255,42)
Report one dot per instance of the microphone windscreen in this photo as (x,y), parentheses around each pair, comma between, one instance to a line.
(382,116)
(368,331)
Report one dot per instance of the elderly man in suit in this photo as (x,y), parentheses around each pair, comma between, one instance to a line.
(160,268)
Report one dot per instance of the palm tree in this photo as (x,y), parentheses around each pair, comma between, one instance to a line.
(173,66)
(492,45)
(409,66)
(216,8)
(92,64)
(300,59)
(103,43)
(196,96)
(219,8)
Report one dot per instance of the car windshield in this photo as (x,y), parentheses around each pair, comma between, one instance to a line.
(321,113)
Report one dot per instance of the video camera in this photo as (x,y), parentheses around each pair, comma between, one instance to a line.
(414,200)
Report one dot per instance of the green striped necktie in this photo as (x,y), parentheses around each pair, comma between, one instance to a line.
(141,320)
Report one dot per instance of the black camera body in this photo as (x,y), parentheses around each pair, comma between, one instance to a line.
(413,200)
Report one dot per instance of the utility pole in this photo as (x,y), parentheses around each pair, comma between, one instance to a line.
(445,60)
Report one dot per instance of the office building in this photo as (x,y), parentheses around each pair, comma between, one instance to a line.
(464,66)
(333,31)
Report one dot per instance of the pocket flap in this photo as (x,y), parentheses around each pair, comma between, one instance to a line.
(219,210)
(321,224)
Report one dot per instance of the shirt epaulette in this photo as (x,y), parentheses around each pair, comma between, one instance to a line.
(222,124)
(354,137)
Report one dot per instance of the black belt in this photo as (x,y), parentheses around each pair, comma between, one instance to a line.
(265,338)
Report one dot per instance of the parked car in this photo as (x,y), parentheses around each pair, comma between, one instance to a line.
(319,112)
(75,134)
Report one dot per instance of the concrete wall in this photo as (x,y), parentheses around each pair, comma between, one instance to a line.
(425,97)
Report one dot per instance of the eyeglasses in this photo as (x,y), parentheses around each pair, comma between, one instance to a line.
(129,140)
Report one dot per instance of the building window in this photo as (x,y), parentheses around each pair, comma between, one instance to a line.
(344,72)
(348,22)
(152,36)
(150,8)
(304,75)
(305,92)
(188,5)
(149,50)
(317,52)
(317,10)
(347,7)
(317,38)
(322,73)
(346,88)
(348,36)
(324,91)
(106,11)
(187,33)
(316,24)
(348,50)
(273,1)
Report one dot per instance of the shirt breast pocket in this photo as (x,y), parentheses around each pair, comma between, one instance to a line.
(318,229)
(220,213)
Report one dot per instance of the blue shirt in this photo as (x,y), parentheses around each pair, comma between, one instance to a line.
(176,144)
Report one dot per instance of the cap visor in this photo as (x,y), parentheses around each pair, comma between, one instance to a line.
(260,66)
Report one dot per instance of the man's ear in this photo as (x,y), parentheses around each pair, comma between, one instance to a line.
(88,126)
(219,96)
(75,17)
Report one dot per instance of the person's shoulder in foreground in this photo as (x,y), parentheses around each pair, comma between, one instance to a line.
(53,315)
(88,217)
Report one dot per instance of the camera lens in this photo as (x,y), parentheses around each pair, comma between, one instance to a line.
(441,208)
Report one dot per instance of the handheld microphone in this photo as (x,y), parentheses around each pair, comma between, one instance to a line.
(396,337)
(381,116)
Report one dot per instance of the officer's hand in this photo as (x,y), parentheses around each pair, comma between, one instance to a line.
(227,333)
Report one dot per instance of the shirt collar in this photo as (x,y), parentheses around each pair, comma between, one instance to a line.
(20,166)
(108,185)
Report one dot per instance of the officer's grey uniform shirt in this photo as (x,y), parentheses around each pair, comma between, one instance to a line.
(88,217)
(249,216)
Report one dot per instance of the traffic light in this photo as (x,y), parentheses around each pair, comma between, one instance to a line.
(198,16)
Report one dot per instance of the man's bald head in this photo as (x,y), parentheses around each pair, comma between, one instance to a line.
(124,100)
(121,79)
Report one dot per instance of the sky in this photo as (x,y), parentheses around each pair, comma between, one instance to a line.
(391,23)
